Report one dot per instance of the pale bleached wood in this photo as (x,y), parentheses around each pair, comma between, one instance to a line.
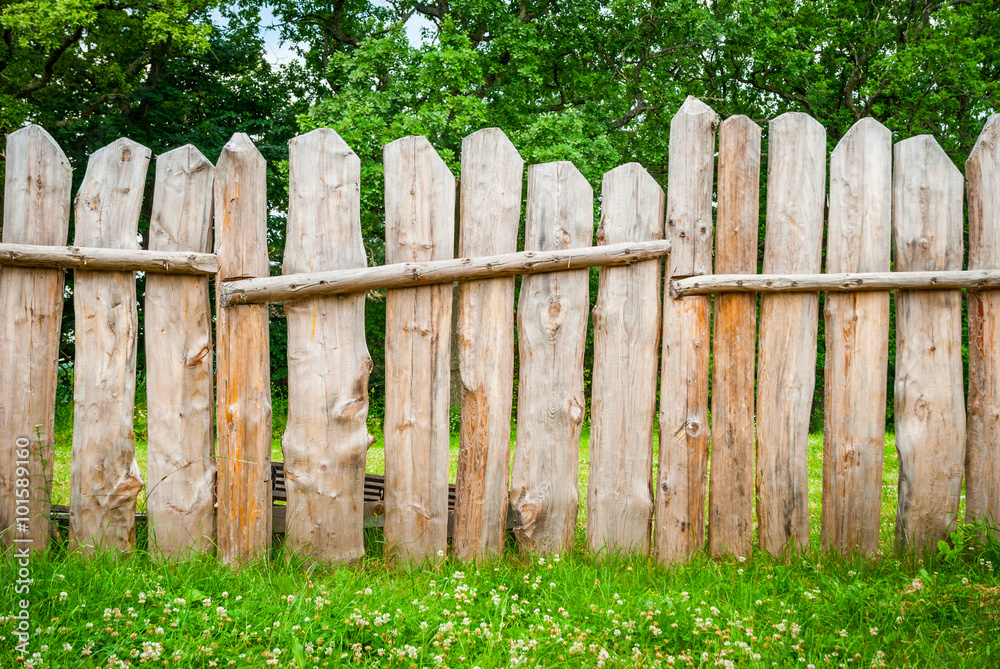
(36,210)
(492,172)
(180,496)
(796,187)
(116,260)
(679,513)
(408,275)
(626,341)
(982,455)
(851,282)
(104,477)
(243,365)
(420,226)
(690,176)
(326,439)
(552,334)
(730,485)
(930,406)
(857,340)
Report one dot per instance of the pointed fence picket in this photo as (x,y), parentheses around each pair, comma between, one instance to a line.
(330,499)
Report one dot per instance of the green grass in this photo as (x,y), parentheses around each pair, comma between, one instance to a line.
(811,610)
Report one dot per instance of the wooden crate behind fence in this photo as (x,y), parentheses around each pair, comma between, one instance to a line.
(201,496)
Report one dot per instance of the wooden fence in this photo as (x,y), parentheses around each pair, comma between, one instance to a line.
(209,406)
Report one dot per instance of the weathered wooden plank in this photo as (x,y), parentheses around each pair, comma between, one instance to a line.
(679,513)
(104,477)
(552,334)
(796,185)
(982,455)
(626,339)
(36,210)
(690,176)
(119,260)
(730,485)
(326,439)
(243,365)
(930,407)
(420,226)
(492,172)
(857,340)
(181,469)
(408,275)
(844,282)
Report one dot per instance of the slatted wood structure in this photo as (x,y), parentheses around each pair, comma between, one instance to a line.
(671,264)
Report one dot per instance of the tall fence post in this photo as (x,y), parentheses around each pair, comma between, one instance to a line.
(419,226)
(326,440)
(734,343)
(930,406)
(982,458)
(552,334)
(243,366)
(796,185)
(36,211)
(684,430)
(626,342)
(180,454)
(857,340)
(492,172)
(105,479)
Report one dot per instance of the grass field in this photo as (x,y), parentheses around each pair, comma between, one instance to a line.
(810,610)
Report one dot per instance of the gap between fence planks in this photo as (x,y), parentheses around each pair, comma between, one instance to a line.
(36,210)
(326,438)
(731,484)
(857,340)
(243,363)
(410,274)
(491,178)
(420,225)
(104,477)
(552,335)
(982,459)
(115,260)
(181,470)
(679,515)
(930,407)
(796,186)
(626,342)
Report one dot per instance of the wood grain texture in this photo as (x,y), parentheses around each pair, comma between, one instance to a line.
(679,513)
(180,454)
(690,177)
(845,282)
(36,202)
(552,335)
(120,260)
(104,477)
(982,455)
(243,365)
(857,340)
(626,339)
(796,188)
(326,439)
(420,226)
(492,172)
(433,272)
(930,406)
(734,345)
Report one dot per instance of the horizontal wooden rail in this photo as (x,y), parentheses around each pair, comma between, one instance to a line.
(118,260)
(834,283)
(407,275)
